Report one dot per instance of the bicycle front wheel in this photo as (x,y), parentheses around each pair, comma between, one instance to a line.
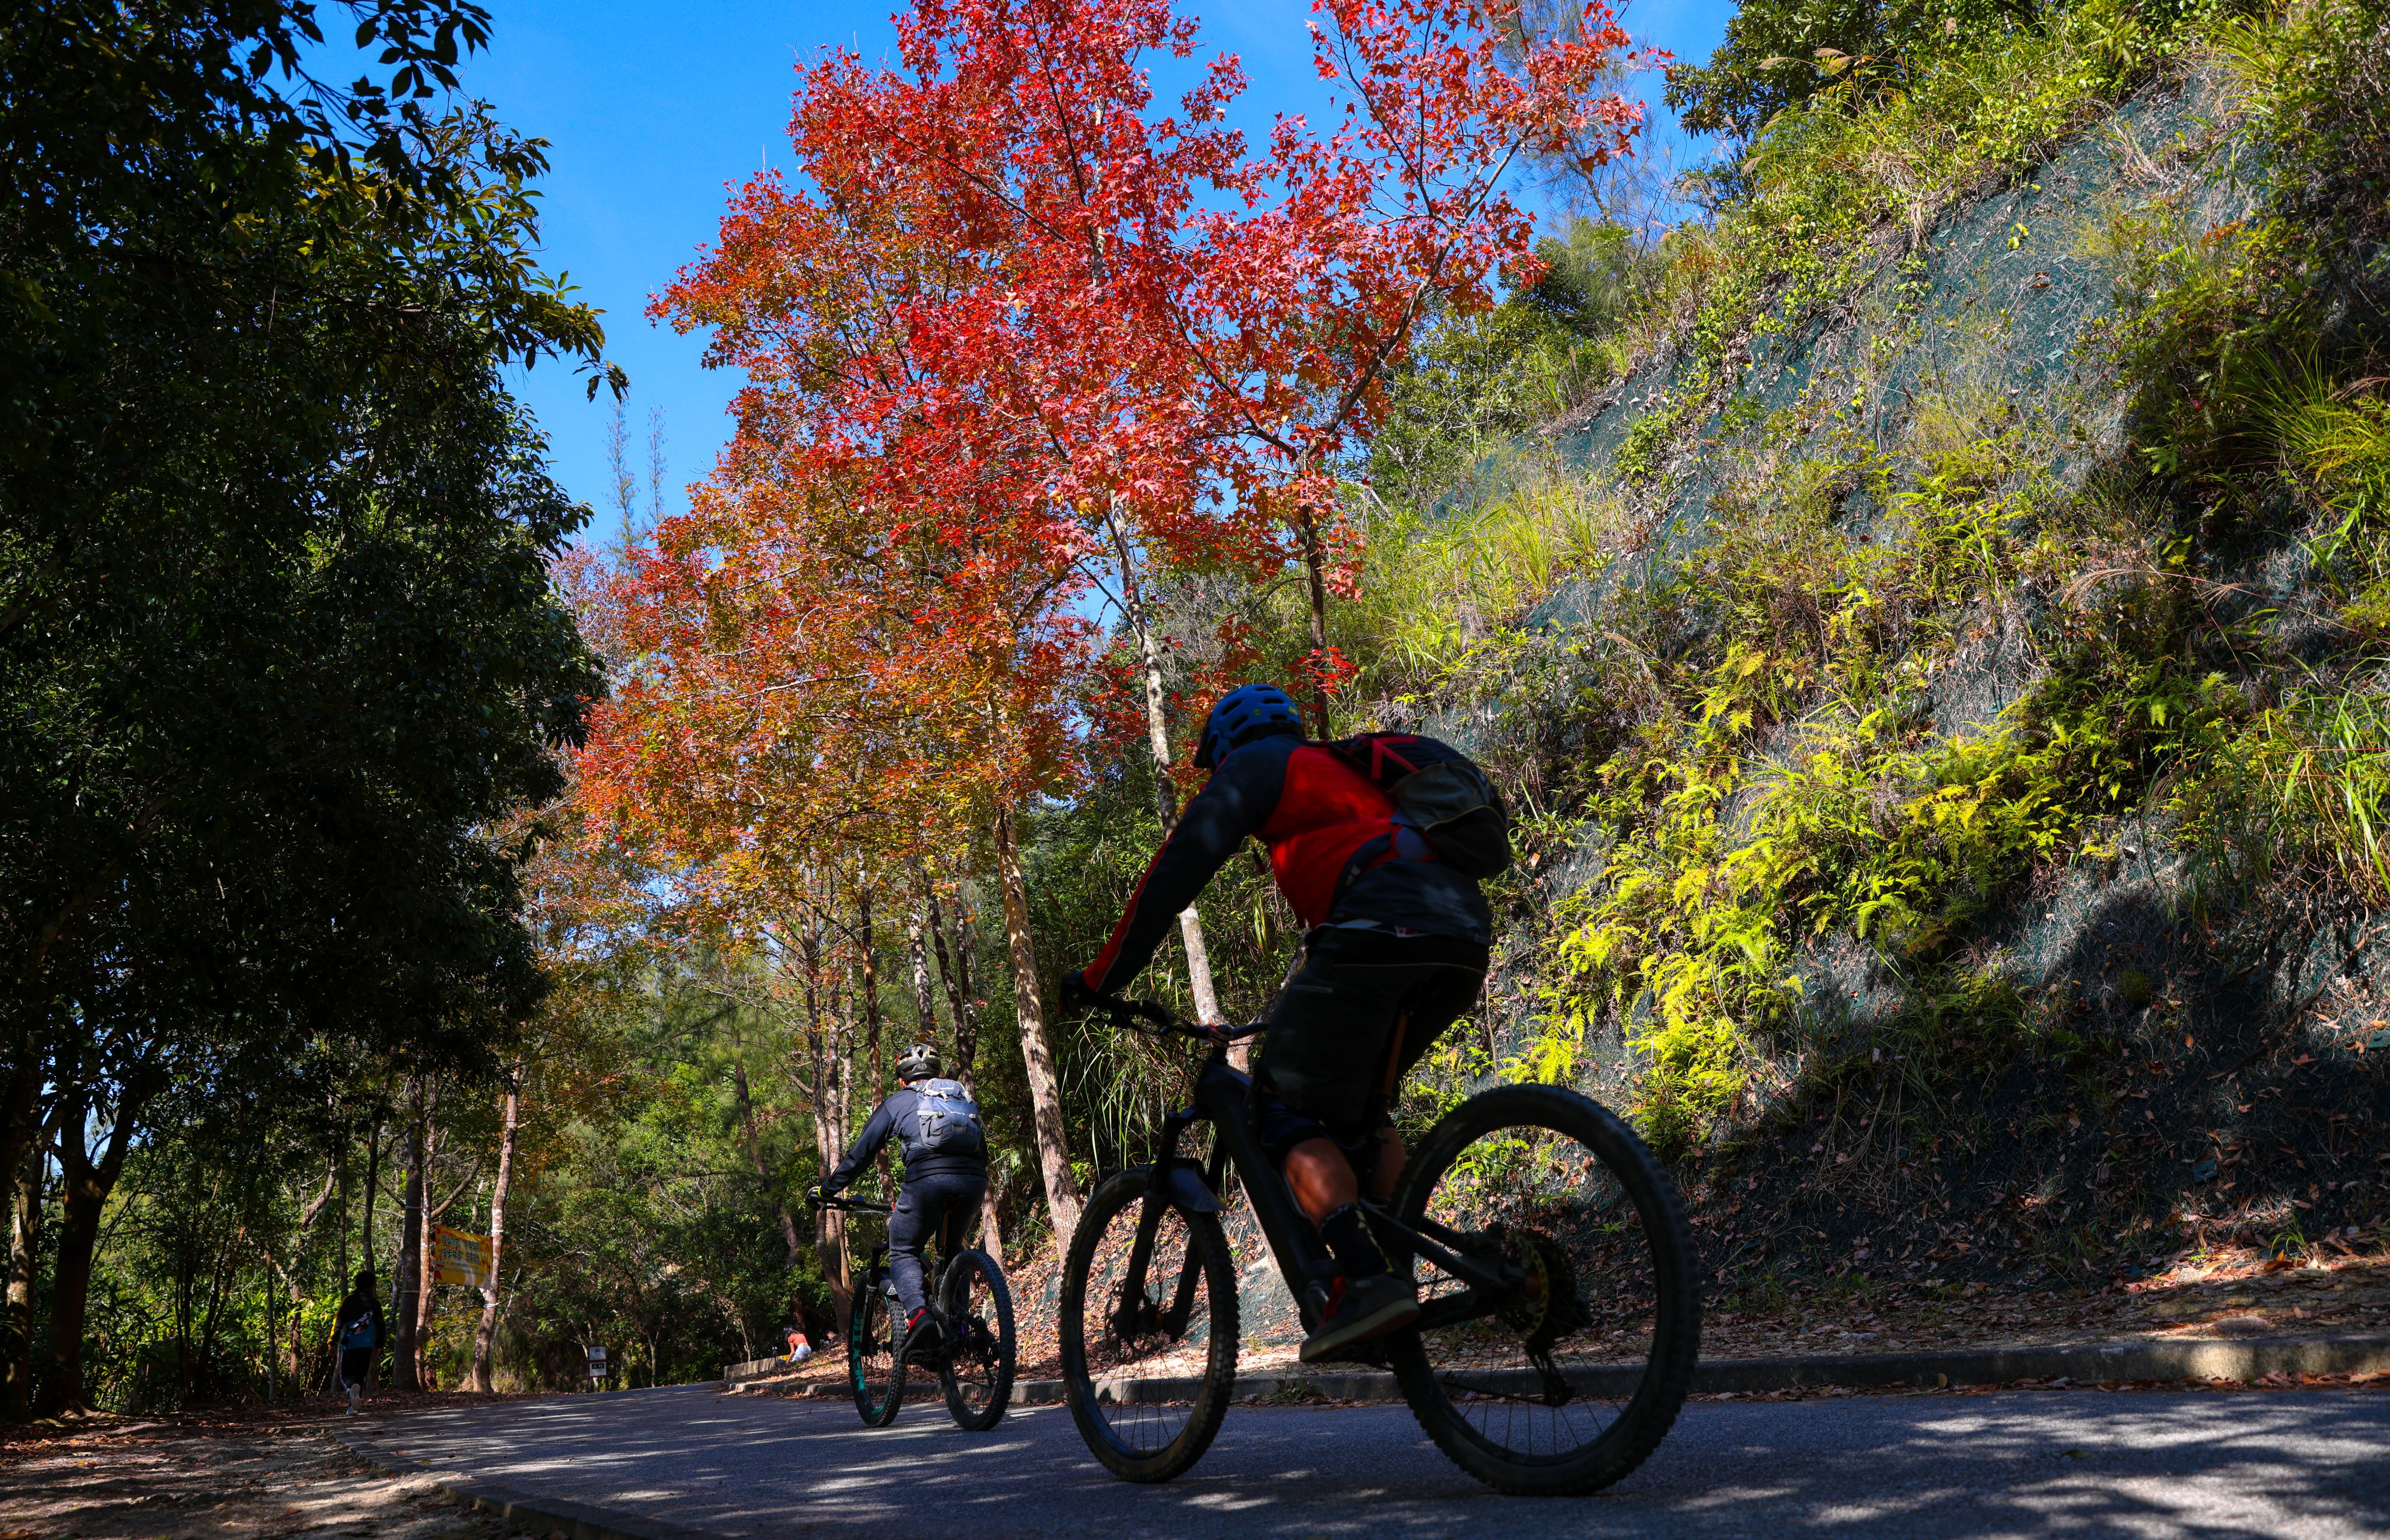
(875,1362)
(1147,1363)
(1569,1376)
(977,1373)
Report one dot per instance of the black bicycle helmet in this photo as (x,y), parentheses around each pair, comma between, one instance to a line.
(920,1062)
(1247,713)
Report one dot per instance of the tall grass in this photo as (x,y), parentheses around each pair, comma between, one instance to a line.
(2306,784)
(1436,589)
(2302,788)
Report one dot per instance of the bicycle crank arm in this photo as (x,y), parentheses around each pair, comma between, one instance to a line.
(1454,1310)
(1498,1282)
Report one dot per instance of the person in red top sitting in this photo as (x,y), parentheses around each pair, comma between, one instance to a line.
(1395,945)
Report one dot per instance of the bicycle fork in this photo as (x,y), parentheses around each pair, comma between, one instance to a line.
(1174,1179)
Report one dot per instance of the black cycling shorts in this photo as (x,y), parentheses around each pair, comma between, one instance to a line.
(938,1206)
(1331,1028)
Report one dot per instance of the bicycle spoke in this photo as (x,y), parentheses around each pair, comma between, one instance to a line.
(1147,1327)
(872,1365)
(1545,1369)
(1134,1350)
(976,1329)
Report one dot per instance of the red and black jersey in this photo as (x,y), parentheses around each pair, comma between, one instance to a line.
(1315,813)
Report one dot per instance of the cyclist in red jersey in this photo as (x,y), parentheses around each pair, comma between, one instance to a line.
(1394,941)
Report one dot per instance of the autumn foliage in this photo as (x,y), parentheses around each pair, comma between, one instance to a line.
(1004,320)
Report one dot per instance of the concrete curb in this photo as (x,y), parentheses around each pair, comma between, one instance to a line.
(540,1515)
(2082,1361)
(755,1368)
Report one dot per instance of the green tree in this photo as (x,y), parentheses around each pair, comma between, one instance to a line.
(1776,52)
(277,634)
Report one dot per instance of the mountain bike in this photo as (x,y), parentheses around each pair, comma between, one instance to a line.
(969,1350)
(1560,1320)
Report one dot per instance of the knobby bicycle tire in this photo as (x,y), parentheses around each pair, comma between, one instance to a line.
(1676,1339)
(1123,1195)
(876,1379)
(956,1298)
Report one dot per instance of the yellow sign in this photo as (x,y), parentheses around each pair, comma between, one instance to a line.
(460,1258)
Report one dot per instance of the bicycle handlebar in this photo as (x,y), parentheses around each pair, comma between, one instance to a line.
(848,1205)
(1127,1015)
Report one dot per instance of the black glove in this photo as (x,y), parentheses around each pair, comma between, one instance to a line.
(1072,994)
(815,1198)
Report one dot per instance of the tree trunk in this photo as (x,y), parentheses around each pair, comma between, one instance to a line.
(83,1186)
(366,1255)
(1157,739)
(488,1327)
(991,1223)
(427,1248)
(62,1387)
(916,952)
(293,1280)
(954,970)
(24,1255)
(404,1371)
(373,1190)
(1314,560)
(219,1280)
(755,1157)
(868,987)
(22,1139)
(826,1068)
(1037,1053)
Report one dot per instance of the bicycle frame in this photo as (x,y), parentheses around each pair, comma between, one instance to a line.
(1224,1098)
(938,1258)
(875,1265)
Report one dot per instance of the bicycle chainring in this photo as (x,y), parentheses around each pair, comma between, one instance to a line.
(1549,1307)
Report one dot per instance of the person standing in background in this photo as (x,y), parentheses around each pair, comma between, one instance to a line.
(358,1332)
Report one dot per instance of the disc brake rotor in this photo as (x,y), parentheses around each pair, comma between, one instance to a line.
(1133,1321)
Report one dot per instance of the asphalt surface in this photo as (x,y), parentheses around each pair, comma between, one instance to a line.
(688,1460)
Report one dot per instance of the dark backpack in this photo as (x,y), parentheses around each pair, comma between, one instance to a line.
(359,1333)
(944,1122)
(1439,791)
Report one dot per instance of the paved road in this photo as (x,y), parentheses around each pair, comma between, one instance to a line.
(689,1461)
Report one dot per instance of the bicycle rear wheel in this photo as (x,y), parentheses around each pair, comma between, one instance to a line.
(1577,1377)
(1148,1369)
(874,1363)
(977,1373)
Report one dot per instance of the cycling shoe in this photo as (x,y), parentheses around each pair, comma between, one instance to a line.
(1359,1310)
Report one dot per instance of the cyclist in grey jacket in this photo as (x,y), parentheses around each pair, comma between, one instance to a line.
(936,1125)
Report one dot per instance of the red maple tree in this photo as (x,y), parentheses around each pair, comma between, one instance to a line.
(1300,303)
(1005,322)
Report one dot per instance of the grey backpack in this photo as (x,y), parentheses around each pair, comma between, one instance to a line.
(1438,791)
(944,1122)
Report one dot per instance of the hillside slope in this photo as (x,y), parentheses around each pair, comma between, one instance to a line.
(1934,777)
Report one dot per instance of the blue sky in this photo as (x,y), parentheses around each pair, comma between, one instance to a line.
(654,113)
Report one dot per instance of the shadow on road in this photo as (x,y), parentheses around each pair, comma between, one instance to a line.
(2316,1463)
